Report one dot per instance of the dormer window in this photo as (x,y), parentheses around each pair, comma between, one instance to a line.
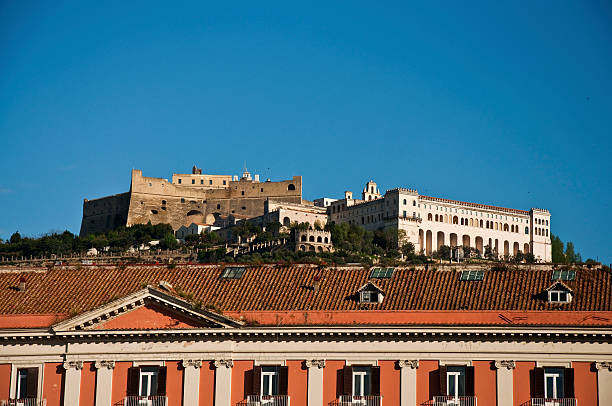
(370,293)
(559,296)
(368,296)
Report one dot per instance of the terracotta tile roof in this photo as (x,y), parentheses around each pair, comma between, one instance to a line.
(72,290)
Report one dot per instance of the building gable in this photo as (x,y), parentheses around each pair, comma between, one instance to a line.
(148,308)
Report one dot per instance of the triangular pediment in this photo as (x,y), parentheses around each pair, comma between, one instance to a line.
(147,309)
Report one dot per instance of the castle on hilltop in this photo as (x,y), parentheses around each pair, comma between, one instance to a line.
(188,198)
(428,222)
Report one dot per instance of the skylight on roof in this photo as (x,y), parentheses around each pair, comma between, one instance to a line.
(564,275)
(472,275)
(233,272)
(382,273)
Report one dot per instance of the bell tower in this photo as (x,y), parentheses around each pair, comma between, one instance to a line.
(370,191)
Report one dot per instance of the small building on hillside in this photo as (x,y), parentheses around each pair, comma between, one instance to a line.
(313,240)
(194,229)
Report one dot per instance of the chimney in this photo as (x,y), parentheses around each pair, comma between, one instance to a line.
(256,178)
(22,285)
(315,284)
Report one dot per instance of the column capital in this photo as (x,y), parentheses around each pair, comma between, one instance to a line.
(105,364)
(227,363)
(73,365)
(408,363)
(195,363)
(599,365)
(319,363)
(508,364)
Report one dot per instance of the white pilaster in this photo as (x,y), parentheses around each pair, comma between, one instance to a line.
(223,382)
(191,381)
(315,381)
(72,387)
(104,382)
(408,381)
(604,382)
(505,389)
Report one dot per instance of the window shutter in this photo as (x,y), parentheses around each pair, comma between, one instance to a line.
(161,381)
(347,388)
(132,381)
(375,381)
(256,381)
(538,382)
(283,380)
(469,381)
(442,371)
(32,383)
(568,379)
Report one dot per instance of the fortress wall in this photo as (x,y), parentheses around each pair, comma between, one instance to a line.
(104,214)
(159,201)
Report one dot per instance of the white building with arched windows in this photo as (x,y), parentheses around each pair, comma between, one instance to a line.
(431,222)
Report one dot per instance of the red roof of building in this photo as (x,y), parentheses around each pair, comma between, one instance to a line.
(286,294)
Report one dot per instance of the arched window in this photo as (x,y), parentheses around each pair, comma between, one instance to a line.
(303,238)
(319,239)
(326,240)
(547,233)
(480,223)
(429,217)
(311,238)
(546,222)
(291,186)
(414,202)
(436,217)
(404,201)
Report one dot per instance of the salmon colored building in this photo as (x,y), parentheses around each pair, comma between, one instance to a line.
(302,335)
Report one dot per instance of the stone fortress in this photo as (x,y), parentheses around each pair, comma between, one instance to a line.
(188,198)
(429,222)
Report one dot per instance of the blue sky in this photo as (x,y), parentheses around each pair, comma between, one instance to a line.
(504,104)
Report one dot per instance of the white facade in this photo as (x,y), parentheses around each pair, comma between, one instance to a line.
(194,229)
(431,222)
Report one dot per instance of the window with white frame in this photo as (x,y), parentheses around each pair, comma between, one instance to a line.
(269,381)
(26,383)
(559,296)
(455,381)
(553,383)
(148,381)
(368,296)
(362,381)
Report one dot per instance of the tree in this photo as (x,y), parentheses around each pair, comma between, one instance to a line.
(558,256)
(168,242)
(488,252)
(15,238)
(407,249)
(570,255)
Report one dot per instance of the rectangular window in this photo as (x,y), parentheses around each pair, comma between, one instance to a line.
(22,383)
(269,381)
(472,275)
(233,272)
(180,181)
(210,182)
(564,275)
(553,383)
(455,381)
(193,181)
(381,272)
(201,181)
(148,381)
(362,381)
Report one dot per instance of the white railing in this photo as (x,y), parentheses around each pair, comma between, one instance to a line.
(268,400)
(349,400)
(455,401)
(553,402)
(23,402)
(146,401)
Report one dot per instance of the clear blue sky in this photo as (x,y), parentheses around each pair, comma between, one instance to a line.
(505,104)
